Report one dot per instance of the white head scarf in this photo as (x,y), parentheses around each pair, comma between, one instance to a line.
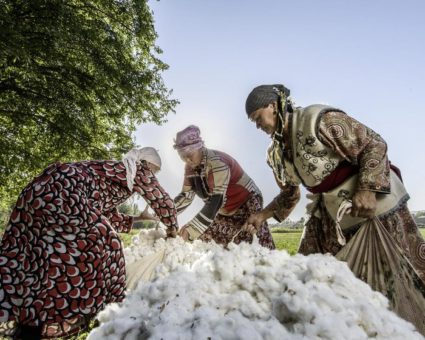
(148,154)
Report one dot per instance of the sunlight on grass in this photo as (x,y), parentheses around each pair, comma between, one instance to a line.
(287,241)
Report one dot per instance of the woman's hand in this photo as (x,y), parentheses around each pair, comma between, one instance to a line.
(254,222)
(171,232)
(184,234)
(364,204)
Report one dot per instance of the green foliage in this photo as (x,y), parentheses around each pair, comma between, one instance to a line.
(75,78)
(129,208)
(420,213)
(126,238)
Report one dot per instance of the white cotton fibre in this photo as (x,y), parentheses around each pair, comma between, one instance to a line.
(202,291)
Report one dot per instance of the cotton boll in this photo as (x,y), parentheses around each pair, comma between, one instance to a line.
(135,240)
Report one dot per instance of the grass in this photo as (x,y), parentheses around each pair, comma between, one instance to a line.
(288,241)
(126,237)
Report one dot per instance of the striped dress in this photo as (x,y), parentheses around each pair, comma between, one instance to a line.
(230,197)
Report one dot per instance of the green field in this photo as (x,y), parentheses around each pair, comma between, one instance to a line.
(287,241)
(290,240)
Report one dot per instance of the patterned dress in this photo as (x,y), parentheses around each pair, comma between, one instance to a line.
(61,259)
(230,197)
(364,153)
(363,147)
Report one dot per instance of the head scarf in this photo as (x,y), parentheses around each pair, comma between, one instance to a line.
(148,154)
(263,95)
(188,140)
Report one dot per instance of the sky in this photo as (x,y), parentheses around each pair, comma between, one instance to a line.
(365,57)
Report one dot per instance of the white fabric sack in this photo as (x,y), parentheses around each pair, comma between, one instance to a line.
(143,269)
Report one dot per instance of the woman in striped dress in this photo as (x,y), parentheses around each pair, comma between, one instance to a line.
(230,195)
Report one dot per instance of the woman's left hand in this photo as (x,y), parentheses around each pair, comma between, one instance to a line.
(171,232)
(364,204)
(184,234)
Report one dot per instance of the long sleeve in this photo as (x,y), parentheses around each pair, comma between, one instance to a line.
(283,204)
(360,146)
(185,197)
(220,177)
(120,222)
(157,198)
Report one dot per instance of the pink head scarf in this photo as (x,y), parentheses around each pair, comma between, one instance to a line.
(188,140)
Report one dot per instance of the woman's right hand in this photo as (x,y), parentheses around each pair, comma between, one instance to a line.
(254,222)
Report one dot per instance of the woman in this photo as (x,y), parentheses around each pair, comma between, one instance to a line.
(337,159)
(61,259)
(230,195)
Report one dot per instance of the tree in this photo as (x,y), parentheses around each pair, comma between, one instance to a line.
(76,77)
(129,208)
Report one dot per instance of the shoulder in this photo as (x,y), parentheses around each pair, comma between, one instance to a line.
(219,158)
(318,109)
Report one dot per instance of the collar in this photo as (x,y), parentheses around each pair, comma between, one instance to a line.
(201,165)
(281,133)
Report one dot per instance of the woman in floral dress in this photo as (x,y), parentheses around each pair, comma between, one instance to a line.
(338,159)
(61,259)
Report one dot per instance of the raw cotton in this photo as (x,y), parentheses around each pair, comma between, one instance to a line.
(203,291)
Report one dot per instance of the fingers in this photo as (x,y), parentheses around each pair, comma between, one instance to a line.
(364,204)
(245,227)
(252,229)
(361,210)
(183,233)
(249,228)
(171,232)
(354,211)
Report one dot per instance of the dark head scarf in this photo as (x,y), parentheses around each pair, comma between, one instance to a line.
(263,95)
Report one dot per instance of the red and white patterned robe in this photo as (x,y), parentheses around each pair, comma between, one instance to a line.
(61,259)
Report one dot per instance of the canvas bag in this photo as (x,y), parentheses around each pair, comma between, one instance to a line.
(143,269)
(375,258)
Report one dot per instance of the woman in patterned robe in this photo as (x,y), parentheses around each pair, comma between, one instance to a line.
(336,158)
(61,258)
(230,195)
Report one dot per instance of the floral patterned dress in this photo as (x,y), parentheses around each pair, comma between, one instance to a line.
(366,149)
(365,152)
(61,259)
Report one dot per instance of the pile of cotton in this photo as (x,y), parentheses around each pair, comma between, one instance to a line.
(203,291)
